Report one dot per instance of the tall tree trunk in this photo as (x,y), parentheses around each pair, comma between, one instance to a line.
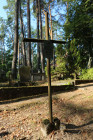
(18,57)
(90,61)
(67,9)
(2,53)
(14,62)
(38,48)
(32,59)
(29,34)
(41,45)
(22,35)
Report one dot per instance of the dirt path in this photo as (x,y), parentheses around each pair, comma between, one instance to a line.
(22,120)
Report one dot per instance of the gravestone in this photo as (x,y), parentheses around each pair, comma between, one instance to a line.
(25,73)
(37,76)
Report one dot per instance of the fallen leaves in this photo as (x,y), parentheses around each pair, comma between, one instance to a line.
(25,123)
(2,128)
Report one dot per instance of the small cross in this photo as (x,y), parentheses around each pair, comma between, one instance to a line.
(48,61)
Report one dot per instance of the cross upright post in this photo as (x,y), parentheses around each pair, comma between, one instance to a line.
(48,60)
(48,69)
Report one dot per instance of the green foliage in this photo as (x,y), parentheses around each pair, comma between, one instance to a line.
(3,67)
(74,57)
(46,70)
(78,30)
(35,62)
(79,25)
(61,66)
(61,60)
(8,74)
(68,59)
(87,74)
(18,76)
(52,71)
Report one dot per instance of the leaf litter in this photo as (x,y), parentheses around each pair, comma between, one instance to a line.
(23,120)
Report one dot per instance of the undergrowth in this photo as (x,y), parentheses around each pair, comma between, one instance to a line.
(86,74)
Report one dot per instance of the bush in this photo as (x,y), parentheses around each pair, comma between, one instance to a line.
(87,74)
(52,71)
(8,74)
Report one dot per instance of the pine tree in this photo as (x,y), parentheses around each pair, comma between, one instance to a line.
(29,34)
(14,62)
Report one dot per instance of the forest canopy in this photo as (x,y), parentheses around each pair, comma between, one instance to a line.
(69,20)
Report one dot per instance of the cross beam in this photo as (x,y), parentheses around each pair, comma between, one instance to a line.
(42,41)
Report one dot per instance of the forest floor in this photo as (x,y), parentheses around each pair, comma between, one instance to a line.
(22,120)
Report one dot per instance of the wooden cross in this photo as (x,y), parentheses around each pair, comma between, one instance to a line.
(48,61)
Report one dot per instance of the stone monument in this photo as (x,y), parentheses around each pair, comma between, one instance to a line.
(25,73)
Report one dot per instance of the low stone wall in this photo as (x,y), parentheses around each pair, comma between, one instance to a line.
(77,82)
(17,92)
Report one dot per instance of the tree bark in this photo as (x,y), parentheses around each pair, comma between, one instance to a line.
(29,34)
(22,35)
(67,8)
(32,59)
(38,48)
(18,57)
(41,45)
(2,50)
(14,62)
(90,61)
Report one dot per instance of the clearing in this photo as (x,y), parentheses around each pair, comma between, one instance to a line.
(22,120)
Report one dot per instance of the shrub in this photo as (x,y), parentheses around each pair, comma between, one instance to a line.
(52,70)
(87,74)
(8,74)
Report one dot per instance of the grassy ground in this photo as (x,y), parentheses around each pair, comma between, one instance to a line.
(22,120)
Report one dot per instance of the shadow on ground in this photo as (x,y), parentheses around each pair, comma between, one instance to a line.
(73,129)
(88,85)
(4,134)
(77,119)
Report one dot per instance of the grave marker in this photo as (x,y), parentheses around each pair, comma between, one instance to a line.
(46,42)
(25,74)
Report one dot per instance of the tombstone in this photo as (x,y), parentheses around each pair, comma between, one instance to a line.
(37,76)
(25,73)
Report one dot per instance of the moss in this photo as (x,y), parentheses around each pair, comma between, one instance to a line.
(46,121)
